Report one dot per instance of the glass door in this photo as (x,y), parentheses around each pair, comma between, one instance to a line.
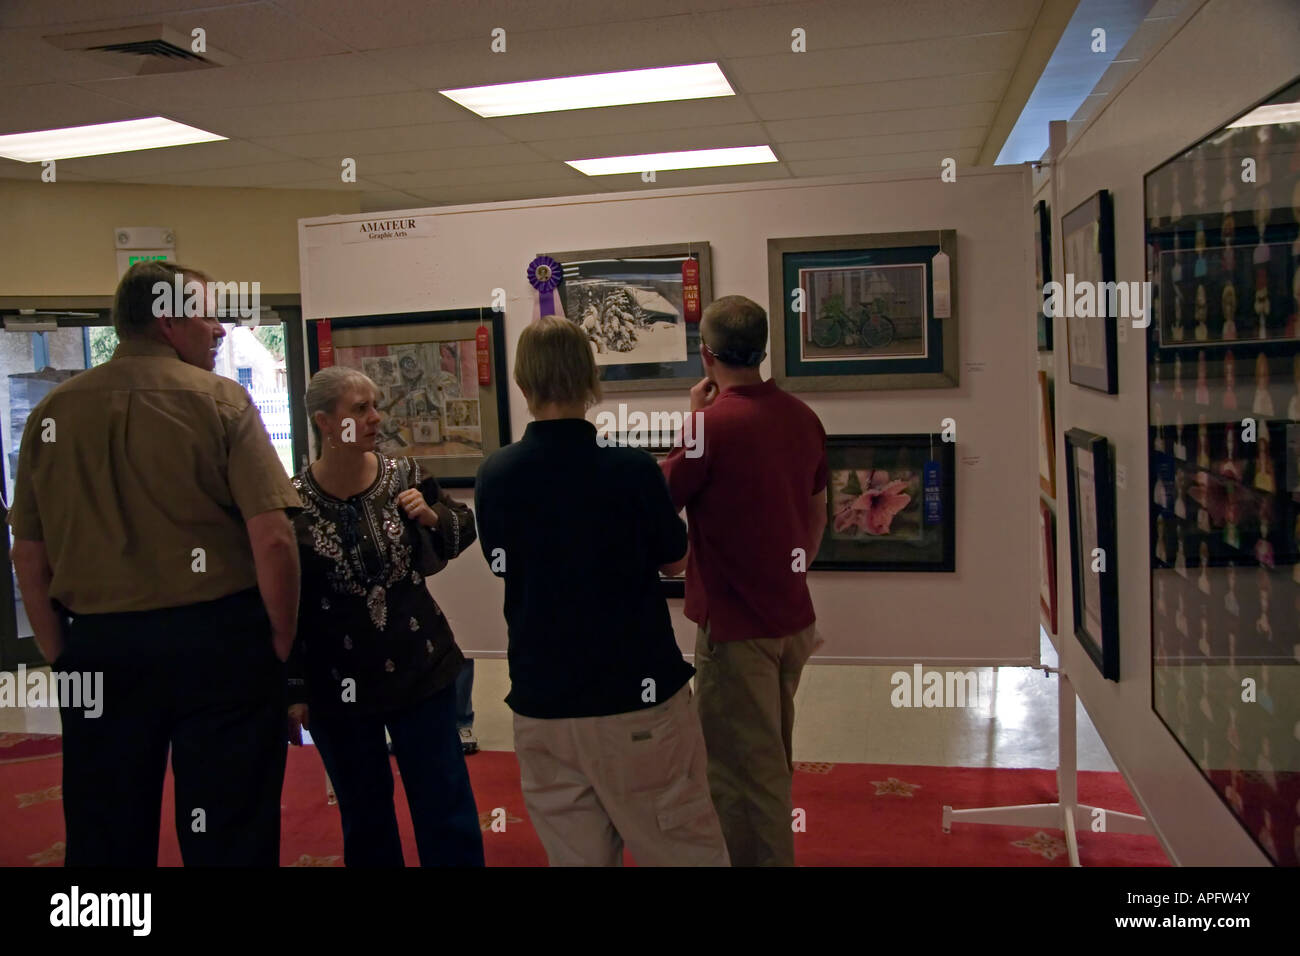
(265,359)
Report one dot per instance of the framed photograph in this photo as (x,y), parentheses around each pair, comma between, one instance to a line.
(890,503)
(1047,564)
(671,587)
(864,312)
(629,302)
(1046,436)
(1088,247)
(1091,493)
(1223,399)
(426,367)
(1042,269)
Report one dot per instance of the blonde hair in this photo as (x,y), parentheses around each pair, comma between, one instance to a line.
(554,364)
(327,387)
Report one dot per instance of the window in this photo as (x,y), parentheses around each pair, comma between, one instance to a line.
(245,376)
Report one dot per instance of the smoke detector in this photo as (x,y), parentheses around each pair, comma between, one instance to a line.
(143,50)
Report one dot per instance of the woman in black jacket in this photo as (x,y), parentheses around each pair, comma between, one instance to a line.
(374,650)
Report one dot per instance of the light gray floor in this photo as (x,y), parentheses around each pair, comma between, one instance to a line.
(843,715)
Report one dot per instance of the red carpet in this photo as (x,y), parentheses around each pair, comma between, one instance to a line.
(856,814)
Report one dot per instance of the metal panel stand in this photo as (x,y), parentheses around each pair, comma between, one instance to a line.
(1067,813)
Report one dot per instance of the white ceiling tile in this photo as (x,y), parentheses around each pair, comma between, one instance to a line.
(676,178)
(43,13)
(949,140)
(877,124)
(844,165)
(916,93)
(325,78)
(635,118)
(634,144)
(343,114)
(840,23)
(173,159)
(411,162)
(939,57)
(262,174)
(399,139)
(24,109)
(478,174)
(560,51)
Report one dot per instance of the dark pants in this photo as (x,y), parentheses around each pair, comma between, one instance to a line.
(465,694)
(203,680)
(428,752)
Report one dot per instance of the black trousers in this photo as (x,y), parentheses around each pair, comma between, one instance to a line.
(201,680)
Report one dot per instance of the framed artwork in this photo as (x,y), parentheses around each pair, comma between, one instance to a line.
(1091,492)
(890,503)
(630,303)
(425,365)
(670,587)
(1223,402)
(1047,564)
(1046,436)
(863,312)
(1088,248)
(1042,269)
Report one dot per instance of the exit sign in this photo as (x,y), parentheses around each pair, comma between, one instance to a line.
(132,260)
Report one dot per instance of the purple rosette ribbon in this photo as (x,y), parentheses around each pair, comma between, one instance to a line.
(544,275)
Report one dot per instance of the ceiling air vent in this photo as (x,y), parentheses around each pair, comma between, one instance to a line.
(153,48)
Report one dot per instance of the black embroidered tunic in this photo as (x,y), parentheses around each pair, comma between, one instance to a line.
(364,610)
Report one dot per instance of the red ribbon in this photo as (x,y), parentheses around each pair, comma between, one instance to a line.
(484,358)
(691,289)
(324,344)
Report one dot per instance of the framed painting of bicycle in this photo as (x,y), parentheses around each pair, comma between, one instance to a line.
(865,311)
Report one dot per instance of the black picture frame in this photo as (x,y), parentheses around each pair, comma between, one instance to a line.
(649,376)
(457,472)
(1043,269)
(1223,348)
(1093,526)
(1088,250)
(934,546)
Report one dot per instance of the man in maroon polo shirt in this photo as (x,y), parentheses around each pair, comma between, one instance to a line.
(755,501)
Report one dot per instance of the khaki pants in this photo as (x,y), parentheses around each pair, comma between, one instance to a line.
(746,704)
(592,784)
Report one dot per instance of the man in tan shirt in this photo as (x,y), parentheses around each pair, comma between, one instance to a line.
(152,547)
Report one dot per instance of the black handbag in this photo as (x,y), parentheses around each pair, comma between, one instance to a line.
(425,556)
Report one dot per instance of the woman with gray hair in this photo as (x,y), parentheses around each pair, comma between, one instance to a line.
(374,651)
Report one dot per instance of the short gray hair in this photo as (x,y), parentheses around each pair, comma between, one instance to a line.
(327,387)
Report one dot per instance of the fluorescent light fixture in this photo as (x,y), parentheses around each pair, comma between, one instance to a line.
(599,89)
(99,139)
(690,159)
(1269,114)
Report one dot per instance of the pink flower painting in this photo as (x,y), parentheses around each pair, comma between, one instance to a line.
(868,502)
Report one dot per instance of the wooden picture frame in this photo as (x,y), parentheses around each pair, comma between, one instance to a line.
(863,311)
(1046,436)
(407,339)
(1094,593)
(1088,249)
(1047,564)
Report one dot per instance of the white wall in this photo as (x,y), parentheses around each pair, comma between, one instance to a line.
(1220,59)
(987,611)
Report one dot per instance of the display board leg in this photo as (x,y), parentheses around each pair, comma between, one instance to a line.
(1067,814)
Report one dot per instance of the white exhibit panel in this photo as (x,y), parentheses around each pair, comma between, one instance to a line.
(1181,93)
(986,612)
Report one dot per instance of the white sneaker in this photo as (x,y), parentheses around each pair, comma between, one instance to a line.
(468,742)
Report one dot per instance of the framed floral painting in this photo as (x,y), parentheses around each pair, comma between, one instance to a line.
(890,504)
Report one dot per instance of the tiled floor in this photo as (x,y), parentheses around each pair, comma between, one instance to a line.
(843,715)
